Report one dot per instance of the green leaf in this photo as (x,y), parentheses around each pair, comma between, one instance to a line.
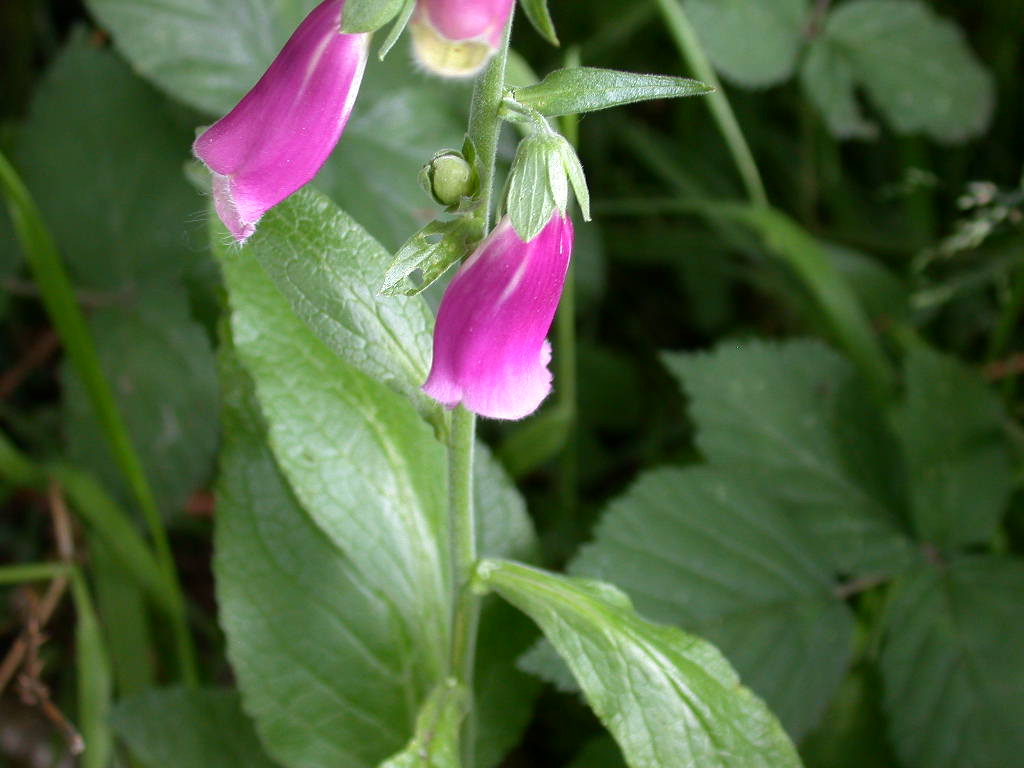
(326,668)
(601,752)
(436,741)
(368,15)
(958,460)
(210,730)
(432,250)
(702,549)
(114,198)
(327,267)
(915,66)
(535,441)
(162,370)
(954,684)
(537,184)
(588,89)
(365,466)
(206,53)
(540,17)
(774,414)
(829,82)
(752,42)
(401,22)
(574,170)
(669,699)
(94,682)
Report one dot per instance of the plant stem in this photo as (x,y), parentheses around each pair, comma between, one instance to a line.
(484,130)
(62,307)
(20,574)
(689,46)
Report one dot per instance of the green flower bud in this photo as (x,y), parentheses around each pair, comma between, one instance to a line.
(448,178)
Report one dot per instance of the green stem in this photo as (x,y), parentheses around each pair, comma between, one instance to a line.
(484,130)
(62,307)
(20,574)
(689,46)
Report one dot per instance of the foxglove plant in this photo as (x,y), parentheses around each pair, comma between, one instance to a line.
(456,38)
(282,131)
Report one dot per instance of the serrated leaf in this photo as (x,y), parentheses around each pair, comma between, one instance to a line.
(532,196)
(540,17)
(588,89)
(324,667)
(210,730)
(368,15)
(914,65)
(953,681)
(668,698)
(362,462)
(328,267)
(114,198)
(432,250)
(704,550)
(958,461)
(774,414)
(435,743)
(162,372)
(752,42)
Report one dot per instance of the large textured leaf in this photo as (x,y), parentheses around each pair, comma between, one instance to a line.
(668,698)
(915,67)
(322,661)
(700,549)
(328,267)
(791,418)
(210,729)
(361,461)
(114,197)
(435,743)
(951,427)
(163,373)
(954,684)
(754,42)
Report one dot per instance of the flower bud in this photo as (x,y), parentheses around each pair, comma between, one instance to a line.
(281,132)
(448,178)
(455,38)
(490,348)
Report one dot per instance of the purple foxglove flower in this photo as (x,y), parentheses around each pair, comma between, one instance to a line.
(282,130)
(455,38)
(490,350)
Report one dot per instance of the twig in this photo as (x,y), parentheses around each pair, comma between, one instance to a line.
(856,586)
(1005,368)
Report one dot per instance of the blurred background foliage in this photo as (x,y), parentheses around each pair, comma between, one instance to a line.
(840,511)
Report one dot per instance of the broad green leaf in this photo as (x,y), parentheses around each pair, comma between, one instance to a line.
(361,461)
(503,694)
(328,268)
(753,42)
(958,460)
(324,664)
(953,681)
(432,251)
(206,53)
(114,198)
(775,414)
(540,17)
(368,15)
(915,66)
(587,89)
(702,549)
(537,184)
(163,374)
(828,80)
(668,698)
(436,741)
(209,729)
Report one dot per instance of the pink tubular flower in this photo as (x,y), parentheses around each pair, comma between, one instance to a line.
(282,131)
(490,350)
(455,38)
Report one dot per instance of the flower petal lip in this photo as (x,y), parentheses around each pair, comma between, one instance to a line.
(490,348)
(282,131)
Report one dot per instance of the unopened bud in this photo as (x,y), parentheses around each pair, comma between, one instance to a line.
(448,178)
